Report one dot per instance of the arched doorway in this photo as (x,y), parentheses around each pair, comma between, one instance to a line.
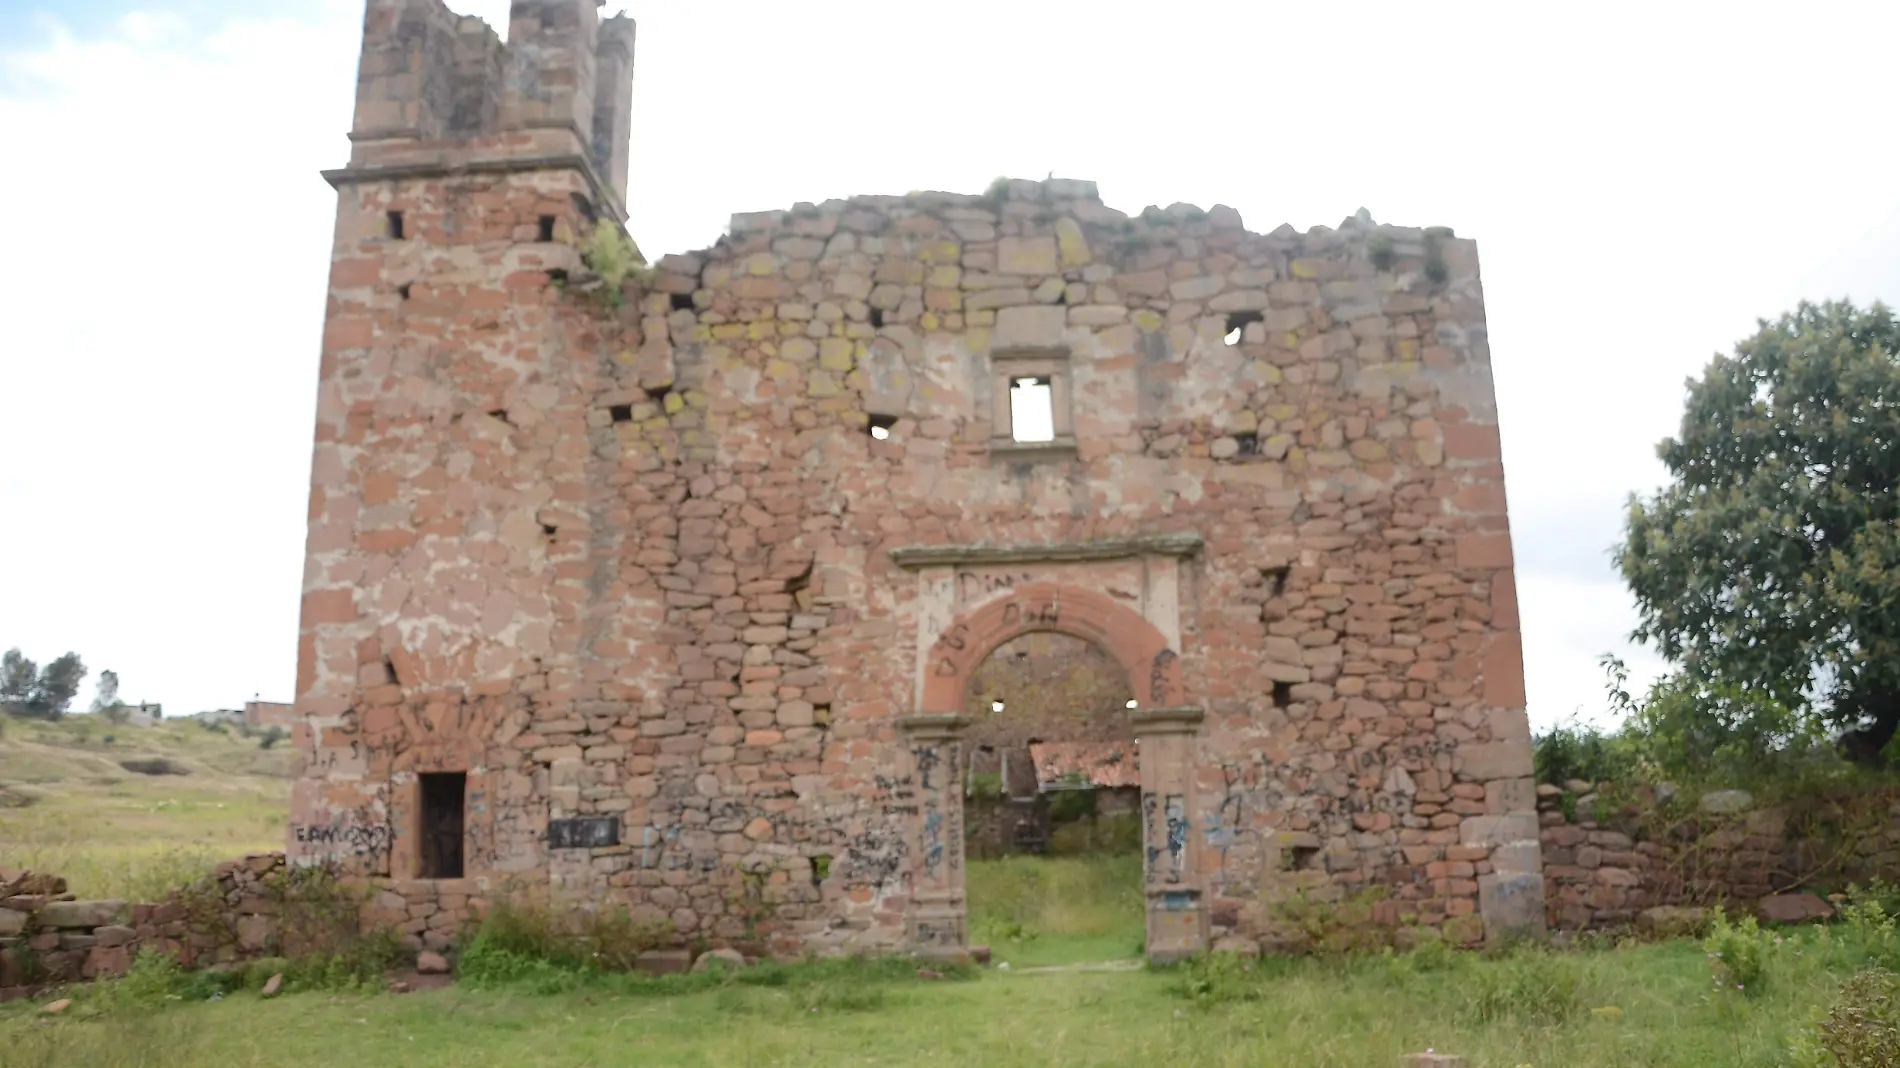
(1163,725)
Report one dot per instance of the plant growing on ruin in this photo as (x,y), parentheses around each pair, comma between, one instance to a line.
(611,254)
(1768,569)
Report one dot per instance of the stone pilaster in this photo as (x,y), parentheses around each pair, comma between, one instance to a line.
(938,915)
(1177,913)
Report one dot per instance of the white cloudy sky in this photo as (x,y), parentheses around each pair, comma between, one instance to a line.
(1643,179)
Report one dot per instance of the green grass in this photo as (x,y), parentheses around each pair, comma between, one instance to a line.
(1056,910)
(1529,1008)
(116,833)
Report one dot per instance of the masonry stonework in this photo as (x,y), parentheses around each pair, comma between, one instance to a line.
(641,564)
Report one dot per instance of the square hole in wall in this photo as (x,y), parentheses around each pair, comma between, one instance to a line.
(392,225)
(1031,410)
(444,807)
(1282,694)
(682,302)
(546,228)
(621,413)
(1237,326)
(1249,444)
(880,426)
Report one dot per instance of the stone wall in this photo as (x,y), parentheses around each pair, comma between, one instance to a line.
(640,573)
(1643,862)
(48,936)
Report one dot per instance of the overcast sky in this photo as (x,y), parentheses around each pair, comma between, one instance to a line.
(1643,181)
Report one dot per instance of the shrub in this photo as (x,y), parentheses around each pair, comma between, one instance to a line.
(1219,979)
(520,941)
(1576,751)
(1735,954)
(1334,927)
(1860,1029)
(1526,987)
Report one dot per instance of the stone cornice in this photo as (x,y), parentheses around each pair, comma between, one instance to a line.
(918,556)
(933,728)
(1182,719)
(391,172)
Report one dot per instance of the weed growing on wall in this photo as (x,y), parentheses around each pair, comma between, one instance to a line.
(611,254)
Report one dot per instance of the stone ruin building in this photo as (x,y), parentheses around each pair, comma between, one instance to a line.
(670,601)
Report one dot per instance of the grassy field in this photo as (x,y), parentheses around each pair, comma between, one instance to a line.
(69,806)
(1651,1005)
(1060,910)
(118,832)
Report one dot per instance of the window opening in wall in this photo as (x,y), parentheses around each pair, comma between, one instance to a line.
(1282,694)
(394,225)
(403,291)
(444,798)
(881,426)
(547,228)
(620,413)
(1237,326)
(1249,444)
(682,302)
(877,318)
(1031,410)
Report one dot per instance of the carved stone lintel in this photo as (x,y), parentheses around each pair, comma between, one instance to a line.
(933,728)
(917,556)
(1185,719)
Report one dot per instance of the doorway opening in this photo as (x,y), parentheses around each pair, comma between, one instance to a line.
(1052,804)
(444,800)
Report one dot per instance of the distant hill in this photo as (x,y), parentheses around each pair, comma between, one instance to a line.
(125,810)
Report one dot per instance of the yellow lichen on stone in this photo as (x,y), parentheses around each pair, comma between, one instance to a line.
(834,354)
(1305,269)
(1074,246)
(1148,320)
(940,252)
(674,403)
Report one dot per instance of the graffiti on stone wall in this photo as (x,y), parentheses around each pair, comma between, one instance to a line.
(355,833)
(1174,811)
(1161,679)
(976,587)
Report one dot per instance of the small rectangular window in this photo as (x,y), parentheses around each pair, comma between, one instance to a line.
(394,220)
(547,228)
(1031,410)
(444,801)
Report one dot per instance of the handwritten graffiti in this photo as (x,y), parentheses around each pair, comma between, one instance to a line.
(1042,615)
(929,758)
(1151,866)
(1175,811)
(878,859)
(975,587)
(933,842)
(956,637)
(1161,678)
(939,932)
(360,838)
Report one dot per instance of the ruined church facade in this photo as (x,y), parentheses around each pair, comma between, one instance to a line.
(664,595)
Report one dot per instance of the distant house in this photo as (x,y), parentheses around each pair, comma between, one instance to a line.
(269,714)
(143,714)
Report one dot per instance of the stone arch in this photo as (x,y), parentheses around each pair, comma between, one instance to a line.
(1153,667)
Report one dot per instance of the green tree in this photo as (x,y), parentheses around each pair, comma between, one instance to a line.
(1768,568)
(106,699)
(40,693)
